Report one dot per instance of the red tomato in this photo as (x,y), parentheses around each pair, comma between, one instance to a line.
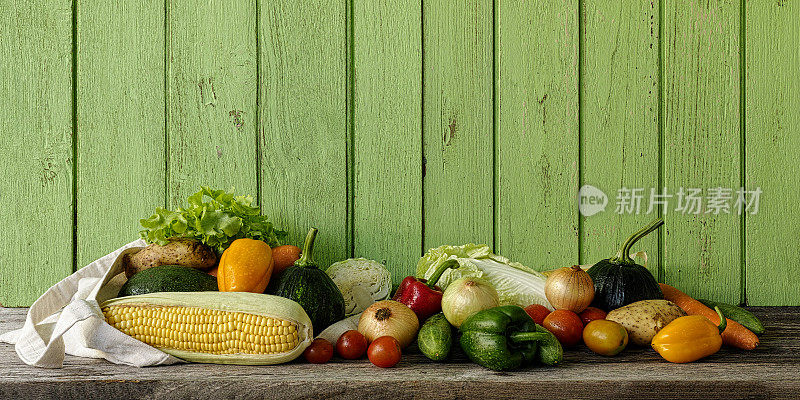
(537,312)
(384,352)
(566,325)
(319,352)
(351,345)
(590,314)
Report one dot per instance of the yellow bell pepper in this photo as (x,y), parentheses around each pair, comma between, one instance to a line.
(689,338)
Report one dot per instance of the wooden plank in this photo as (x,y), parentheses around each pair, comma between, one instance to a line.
(120,122)
(619,141)
(772,140)
(36,180)
(211,97)
(701,144)
(457,130)
(387,142)
(303,122)
(537,132)
(771,371)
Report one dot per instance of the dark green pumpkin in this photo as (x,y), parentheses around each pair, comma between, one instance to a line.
(619,281)
(312,288)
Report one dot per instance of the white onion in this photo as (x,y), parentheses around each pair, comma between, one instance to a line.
(465,297)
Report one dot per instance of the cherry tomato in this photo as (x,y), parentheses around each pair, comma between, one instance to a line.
(537,312)
(566,325)
(351,345)
(605,337)
(384,352)
(590,314)
(319,352)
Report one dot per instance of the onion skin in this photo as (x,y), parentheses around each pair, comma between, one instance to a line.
(389,318)
(569,288)
(466,296)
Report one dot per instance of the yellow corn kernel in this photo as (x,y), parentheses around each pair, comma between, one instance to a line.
(207,331)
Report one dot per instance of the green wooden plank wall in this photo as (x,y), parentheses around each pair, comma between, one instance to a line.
(401,125)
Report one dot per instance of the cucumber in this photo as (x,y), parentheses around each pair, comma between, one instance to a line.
(550,350)
(738,314)
(168,278)
(435,338)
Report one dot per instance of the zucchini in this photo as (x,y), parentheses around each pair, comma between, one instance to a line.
(435,338)
(738,314)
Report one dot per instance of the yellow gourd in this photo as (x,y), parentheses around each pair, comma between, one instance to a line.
(689,338)
(246,266)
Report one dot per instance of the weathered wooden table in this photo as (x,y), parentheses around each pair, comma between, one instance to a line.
(769,372)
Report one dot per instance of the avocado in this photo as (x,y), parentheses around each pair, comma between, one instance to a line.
(168,278)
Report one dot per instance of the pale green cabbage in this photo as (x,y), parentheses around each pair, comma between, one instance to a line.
(515,283)
(362,282)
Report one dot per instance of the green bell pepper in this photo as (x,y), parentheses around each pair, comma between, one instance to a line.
(505,337)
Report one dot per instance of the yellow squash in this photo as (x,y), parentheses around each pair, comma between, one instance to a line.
(214,327)
(689,338)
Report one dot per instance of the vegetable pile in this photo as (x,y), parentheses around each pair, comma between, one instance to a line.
(216,285)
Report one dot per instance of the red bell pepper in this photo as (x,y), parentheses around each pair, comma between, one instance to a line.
(421,296)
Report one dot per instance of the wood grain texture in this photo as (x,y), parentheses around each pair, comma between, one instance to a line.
(769,372)
(303,122)
(387,146)
(772,140)
(701,144)
(537,132)
(120,144)
(211,97)
(619,141)
(458,121)
(36,118)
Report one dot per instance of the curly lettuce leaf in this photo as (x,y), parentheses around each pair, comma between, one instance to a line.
(213,217)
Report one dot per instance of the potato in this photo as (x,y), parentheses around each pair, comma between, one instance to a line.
(643,319)
(185,252)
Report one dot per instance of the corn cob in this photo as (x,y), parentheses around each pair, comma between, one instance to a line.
(214,327)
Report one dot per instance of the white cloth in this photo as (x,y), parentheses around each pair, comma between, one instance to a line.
(67,319)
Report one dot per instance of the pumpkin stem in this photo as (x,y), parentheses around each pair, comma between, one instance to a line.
(305,257)
(623,256)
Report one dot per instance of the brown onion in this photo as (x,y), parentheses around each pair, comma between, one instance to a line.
(389,318)
(569,288)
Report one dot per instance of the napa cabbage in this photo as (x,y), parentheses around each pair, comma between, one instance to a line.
(515,283)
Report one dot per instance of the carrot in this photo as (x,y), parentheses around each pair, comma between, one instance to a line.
(734,335)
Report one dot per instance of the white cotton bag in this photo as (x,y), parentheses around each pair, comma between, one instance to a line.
(67,319)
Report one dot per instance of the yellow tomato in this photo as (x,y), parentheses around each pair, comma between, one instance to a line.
(604,337)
